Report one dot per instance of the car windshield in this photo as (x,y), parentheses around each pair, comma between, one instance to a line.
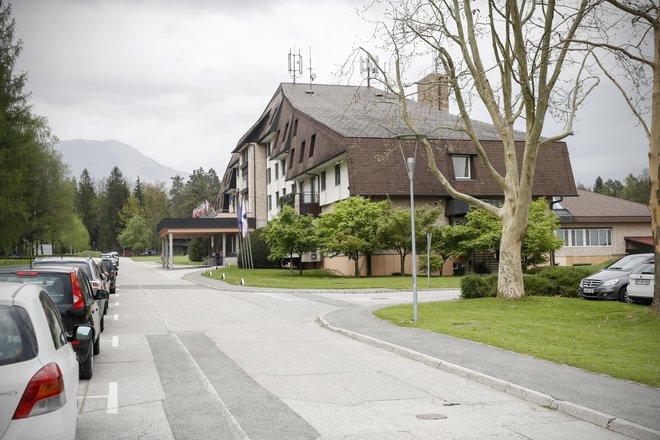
(18,342)
(627,263)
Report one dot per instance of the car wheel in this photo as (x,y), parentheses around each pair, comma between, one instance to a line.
(102,323)
(85,368)
(113,289)
(623,295)
(97,345)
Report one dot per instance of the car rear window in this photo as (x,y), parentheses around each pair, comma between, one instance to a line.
(646,269)
(18,342)
(56,284)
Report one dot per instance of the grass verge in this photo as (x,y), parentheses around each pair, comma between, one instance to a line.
(319,279)
(617,339)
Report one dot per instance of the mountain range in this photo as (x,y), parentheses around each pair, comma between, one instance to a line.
(99,157)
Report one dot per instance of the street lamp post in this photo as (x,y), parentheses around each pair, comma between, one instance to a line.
(410,168)
(410,165)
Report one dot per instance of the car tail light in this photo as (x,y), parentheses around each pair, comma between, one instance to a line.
(44,393)
(27,274)
(78,302)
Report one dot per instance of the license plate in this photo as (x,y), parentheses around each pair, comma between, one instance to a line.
(588,290)
(643,282)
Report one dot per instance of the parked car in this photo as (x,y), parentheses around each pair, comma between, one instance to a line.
(38,366)
(612,281)
(641,284)
(108,270)
(114,259)
(90,268)
(70,291)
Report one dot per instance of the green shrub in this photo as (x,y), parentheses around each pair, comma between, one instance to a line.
(260,252)
(198,248)
(538,286)
(565,280)
(14,262)
(478,286)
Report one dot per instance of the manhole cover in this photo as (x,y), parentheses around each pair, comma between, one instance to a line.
(431,416)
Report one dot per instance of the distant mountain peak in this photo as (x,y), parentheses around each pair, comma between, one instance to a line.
(99,157)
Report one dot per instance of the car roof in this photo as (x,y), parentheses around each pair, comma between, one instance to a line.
(63,258)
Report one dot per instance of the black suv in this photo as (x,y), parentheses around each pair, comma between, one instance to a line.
(71,292)
(88,265)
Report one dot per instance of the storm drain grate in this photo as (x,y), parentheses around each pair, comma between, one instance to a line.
(435,416)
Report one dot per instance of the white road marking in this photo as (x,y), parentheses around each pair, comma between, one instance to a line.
(116,303)
(115,341)
(116,317)
(113,398)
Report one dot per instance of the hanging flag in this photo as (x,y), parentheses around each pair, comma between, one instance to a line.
(244,220)
(239,218)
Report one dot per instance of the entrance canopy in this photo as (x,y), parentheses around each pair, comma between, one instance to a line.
(200,227)
(224,224)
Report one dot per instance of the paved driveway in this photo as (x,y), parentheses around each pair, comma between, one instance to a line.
(181,361)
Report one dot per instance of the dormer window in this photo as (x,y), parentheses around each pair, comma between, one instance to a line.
(462,168)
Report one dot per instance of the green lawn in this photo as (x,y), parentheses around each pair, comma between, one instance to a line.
(319,279)
(178,259)
(617,339)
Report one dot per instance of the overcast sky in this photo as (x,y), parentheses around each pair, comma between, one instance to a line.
(182,80)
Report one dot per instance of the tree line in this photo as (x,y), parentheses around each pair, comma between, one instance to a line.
(40,203)
(633,188)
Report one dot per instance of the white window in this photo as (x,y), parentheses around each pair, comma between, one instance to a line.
(461,167)
(586,237)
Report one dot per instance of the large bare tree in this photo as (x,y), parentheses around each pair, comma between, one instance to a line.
(628,53)
(513,57)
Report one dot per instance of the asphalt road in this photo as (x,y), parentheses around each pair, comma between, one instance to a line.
(181,361)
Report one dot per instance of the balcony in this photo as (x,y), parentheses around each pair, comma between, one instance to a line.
(304,203)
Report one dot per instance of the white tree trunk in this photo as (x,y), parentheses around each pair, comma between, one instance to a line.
(510,275)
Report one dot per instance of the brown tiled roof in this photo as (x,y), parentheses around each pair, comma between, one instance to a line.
(362,123)
(593,207)
(368,112)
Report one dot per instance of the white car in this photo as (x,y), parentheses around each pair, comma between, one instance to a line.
(640,283)
(38,367)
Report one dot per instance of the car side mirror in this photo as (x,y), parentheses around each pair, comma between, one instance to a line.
(83,333)
(101,294)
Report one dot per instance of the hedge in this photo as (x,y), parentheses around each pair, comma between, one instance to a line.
(551,281)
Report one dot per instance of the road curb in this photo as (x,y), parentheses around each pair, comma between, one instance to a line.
(590,415)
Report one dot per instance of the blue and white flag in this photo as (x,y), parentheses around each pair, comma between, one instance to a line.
(244,220)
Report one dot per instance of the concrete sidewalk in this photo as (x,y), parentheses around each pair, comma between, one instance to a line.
(621,406)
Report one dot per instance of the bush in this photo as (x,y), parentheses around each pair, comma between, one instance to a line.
(260,252)
(538,286)
(478,286)
(198,249)
(565,280)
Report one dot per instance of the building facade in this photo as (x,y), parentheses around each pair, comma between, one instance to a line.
(314,146)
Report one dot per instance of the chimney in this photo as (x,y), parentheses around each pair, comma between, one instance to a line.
(433,90)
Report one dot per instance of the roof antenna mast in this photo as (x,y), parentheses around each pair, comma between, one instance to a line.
(368,67)
(295,64)
(312,76)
